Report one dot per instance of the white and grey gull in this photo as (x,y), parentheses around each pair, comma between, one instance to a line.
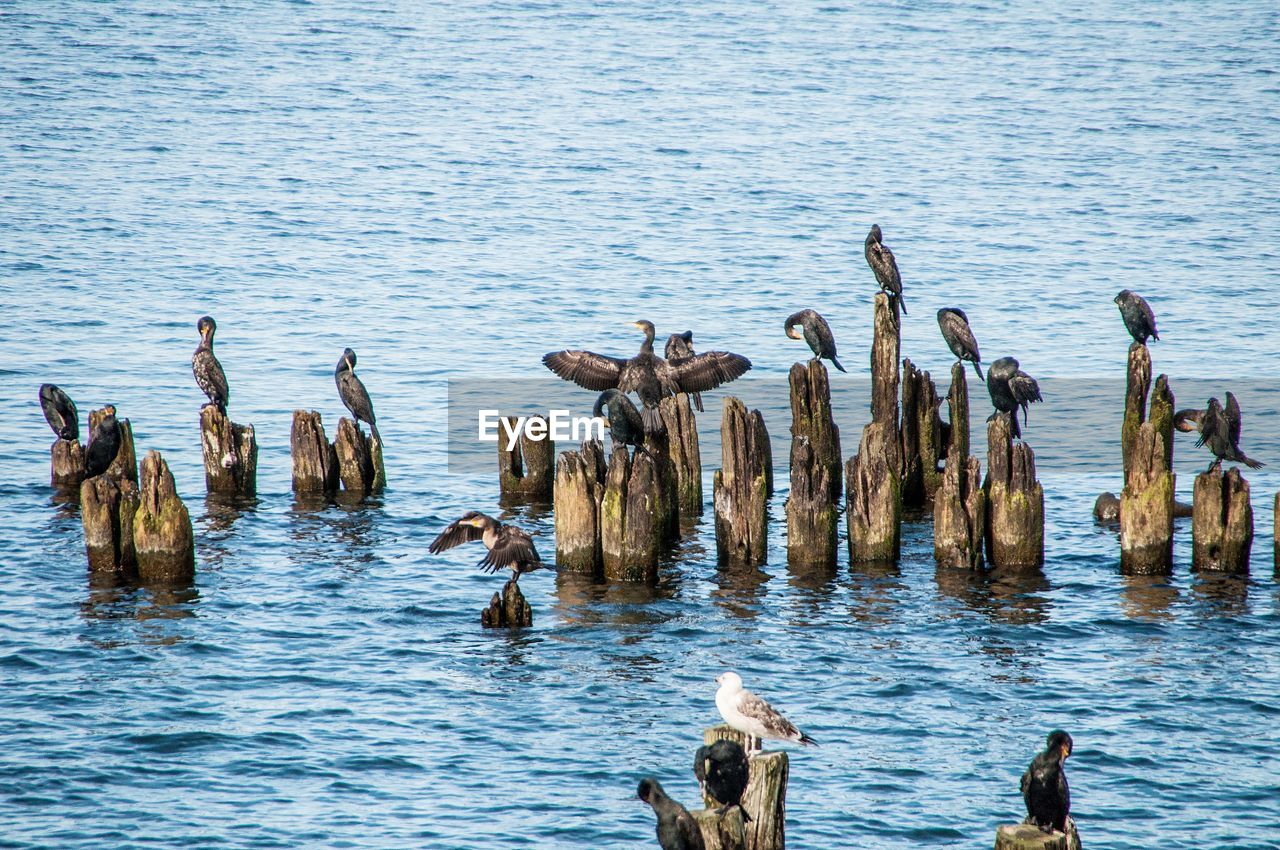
(752,716)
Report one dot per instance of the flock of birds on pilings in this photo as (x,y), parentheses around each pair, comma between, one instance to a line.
(722,768)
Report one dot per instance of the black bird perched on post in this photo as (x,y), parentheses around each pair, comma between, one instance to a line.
(722,770)
(626,427)
(1044,785)
(508,546)
(351,390)
(207,369)
(677,830)
(954,325)
(1137,315)
(882,262)
(647,375)
(104,444)
(60,412)
(816,332)
(1219,431)
(680,347)
(1010,389)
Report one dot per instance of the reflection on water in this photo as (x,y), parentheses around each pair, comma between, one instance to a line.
(877,588)
(113,599)
(1149,597)
(1221,594)
(1003,596)
(345,534)
(215,533)
(588,601)
(740,590)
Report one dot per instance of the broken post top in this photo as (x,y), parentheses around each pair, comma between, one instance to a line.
(885,349)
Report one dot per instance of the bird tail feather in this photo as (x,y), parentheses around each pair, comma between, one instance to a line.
(837,364)
(807,741)
(977,367)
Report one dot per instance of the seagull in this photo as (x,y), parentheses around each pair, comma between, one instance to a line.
(752,716)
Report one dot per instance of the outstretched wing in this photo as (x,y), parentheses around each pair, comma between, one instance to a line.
(1212,424)
(60,412)
(455,535)
(1232,414)
(513,547)
(707,371)
(586,368)
(756,708)
(1024,388)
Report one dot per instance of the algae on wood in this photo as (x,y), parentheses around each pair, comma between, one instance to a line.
(1015,500)
(741,487)
(815,468)
(1222,525)
(1146,507)
(873,512)
(107,508)
(162,533)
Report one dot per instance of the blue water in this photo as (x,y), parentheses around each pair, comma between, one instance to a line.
(454,189)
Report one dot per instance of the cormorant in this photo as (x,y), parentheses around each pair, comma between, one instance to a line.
(680,347)
(60,412)
(752,716)
(626,427)
(882,262)
(207,369)
(1010,389)
(1044,785)
(104,444)
(650,377)
(954,325)
(677,830)
(1137,315)
(723,771)
(816,332)
(1220,432)
(351,390)
(508,546)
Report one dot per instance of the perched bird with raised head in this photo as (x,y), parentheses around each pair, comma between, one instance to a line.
(207,369)
(816,332)
(352,392)
(954,325)
(626,427)
(885,266)
(104,444)
(677,830)
(723,771)
(60,412)
(509,547)
(752,716)
(1139,320)
(1011,388)
(1220,432)
(679,348)
(1044,785)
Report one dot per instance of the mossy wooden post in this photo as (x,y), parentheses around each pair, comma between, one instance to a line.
(162,532)
(126,463)
(632,523)
(721,831)
(230,454)
(1015,500)
(1222,525)
(684,454)
(315,461)
(579,490)
(107,508)
(960,504)
(1146,507)
(66,465)
(765,798)
(526,466)
(921,437)
(958,409)
(815,468)
(1137,385)
(741,487)
(1025,836)
(508,609)
(359,460)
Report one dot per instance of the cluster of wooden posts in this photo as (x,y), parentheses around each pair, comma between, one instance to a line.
(764,801)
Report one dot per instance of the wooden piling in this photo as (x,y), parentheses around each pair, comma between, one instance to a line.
(578,492)
(126,463)
(960,503)
(725,831)
(885,349)
(1137,385)
(1015,500)
(230,454)
(633,517)
(958,444)
(107,508)
(508,610)
(815,468)
(359,461)
(1025,836)
(765,798)
(684,455)
(66,465)
(1146,507)
(526,470)
(921,429)
(315,461)
(741,487)
(162,532)
(1222,525)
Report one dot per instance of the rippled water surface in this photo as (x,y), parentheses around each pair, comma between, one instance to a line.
(454,189)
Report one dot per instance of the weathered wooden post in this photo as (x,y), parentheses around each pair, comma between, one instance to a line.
(1015,500)
(230,454)
(1146,506)
(107,507)
(579,490)
(126,463)
(873,482)
(315,461)
(815,468)
(633,517)
(741,487)
(721,831)
(508,610)
(66,465)
(359,461)
(765,799)
(162,533)
(684,454)
(1137,385)
(1025,836)
(960,504)
(921,437)
(1222,525)
(526,460)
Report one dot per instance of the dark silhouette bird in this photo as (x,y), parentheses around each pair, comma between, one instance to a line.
(816,332)
(1220,432)
(509,547)
(60,412)
(104,444)
(648,376)
(882,262)
(1137,315)
(1044,785)
(1010,389)
(352,392)
(722,770)
(207,369)
(680,347)
(626,427)
(677,830)
(954,325)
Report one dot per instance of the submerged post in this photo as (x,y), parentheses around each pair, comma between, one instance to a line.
(508,610)
(315,461)
(765,799)
(230,454)
(741,487)
(1222,523)
(960,505)
(815,468)
(1015,500)
(162,532)
(526,466)
(578,493)
(684,455)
